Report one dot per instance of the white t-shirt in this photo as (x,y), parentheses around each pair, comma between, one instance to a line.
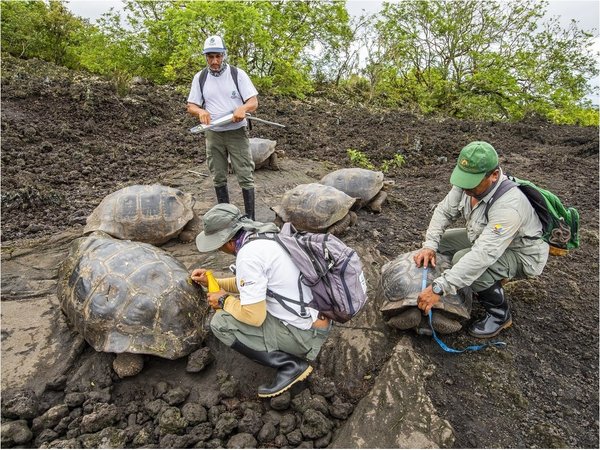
(221,96)
(262,264)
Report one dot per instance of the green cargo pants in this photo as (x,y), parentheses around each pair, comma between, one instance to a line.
(272,335)
(235,143)
(455,242)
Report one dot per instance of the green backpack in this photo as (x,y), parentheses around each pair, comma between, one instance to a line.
(560,224)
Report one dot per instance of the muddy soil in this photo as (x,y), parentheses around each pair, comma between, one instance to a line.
(68,140)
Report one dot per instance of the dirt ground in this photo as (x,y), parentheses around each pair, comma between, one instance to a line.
(68,140)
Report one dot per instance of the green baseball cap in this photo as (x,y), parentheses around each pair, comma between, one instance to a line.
(474,161)
(221,223)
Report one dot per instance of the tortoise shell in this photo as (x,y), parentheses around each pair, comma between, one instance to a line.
(402,281)
(261,149)
(359,183)
(125,296)
(314,207)
(147,213)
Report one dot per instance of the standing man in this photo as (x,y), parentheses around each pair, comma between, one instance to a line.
(217,91)
(254,323)
(500,243)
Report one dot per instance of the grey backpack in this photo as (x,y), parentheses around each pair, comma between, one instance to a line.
(330,268)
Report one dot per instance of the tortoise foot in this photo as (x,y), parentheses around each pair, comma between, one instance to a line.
(191,229)
(128,364)
(187,236)
(278,221)
(443,324)
(341,226)
(274,162)
(375,204)
(406,320)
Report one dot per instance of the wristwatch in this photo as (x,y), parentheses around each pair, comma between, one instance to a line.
(221,300)
(437,288)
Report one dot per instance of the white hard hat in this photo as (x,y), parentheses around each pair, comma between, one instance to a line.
(214,44)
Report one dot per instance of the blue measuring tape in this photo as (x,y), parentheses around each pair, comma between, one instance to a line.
(444,347)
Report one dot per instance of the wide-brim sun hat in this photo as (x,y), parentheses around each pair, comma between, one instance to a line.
(221,223)
(475,160)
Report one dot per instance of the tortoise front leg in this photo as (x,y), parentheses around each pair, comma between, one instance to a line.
(375,204)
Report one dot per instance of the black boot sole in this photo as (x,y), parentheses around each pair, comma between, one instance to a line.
(504,326)
(300,377)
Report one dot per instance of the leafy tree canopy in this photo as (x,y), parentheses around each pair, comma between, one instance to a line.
(471,58)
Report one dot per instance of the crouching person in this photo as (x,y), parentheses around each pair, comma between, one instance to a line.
(254,324)
(502,243)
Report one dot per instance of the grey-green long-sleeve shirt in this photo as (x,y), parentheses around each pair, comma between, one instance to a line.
(512,224)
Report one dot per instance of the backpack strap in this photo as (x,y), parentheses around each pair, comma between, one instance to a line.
(281,298)
(204,75)
(202,81)
(504,187)
(234,75)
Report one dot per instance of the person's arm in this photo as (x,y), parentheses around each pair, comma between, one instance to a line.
(201,114)
(195,99)
(445,212)
(502,228)
(249,96)
(250,106)
(443,215)
(228,284)
(253,314)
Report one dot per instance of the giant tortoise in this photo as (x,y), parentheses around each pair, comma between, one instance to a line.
(366,185)
(401,282)
(131,298)
(264,153)
(153,214)
(316,208)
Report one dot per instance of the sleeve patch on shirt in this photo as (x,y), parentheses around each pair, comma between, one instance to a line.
(498,229)
(246,283)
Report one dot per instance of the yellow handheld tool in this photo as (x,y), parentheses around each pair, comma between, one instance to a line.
(213,286)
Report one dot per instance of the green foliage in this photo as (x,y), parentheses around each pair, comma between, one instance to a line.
(44,30)
(272,40)
(396,162)
(359,159)
(481,59)
(490,59)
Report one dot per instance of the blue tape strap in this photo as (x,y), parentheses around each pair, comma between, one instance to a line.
(471,348)
(424,279)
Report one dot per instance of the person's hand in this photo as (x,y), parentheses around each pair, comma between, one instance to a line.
(199,276)
(425,257)
(239,114)
(427,299)
(213,298)
(204,117)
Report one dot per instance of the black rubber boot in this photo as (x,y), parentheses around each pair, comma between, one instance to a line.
(249,202)
(222,194)
(497,317)
(290,368)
